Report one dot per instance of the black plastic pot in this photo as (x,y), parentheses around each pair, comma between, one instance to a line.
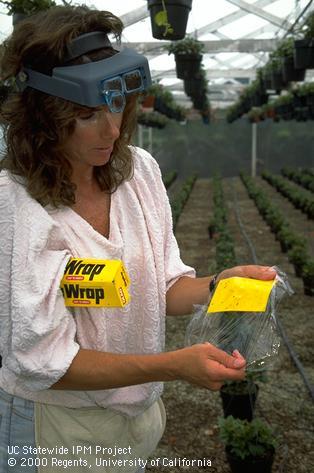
(290,73)
(240,406)
(187,65)
(199,102)
(285,111)
(251,464)
(302,114)
(303,54)
(177,14)
(194,87)
(277,80)
(259,99)
(267,80)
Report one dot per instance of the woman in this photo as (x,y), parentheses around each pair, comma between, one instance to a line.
(84,385)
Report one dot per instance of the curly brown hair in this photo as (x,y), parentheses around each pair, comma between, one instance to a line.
(36,125)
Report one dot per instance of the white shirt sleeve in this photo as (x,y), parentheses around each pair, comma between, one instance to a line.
(174,266)
(37,330)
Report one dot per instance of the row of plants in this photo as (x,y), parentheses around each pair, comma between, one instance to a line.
(152,119)
(300,198)
(169,178)
(301,177)
(286,65)
(292,57)
(249,443)
(290,241)
(238,397)
(295,105)
(159,99)
(218,229)
(178,203)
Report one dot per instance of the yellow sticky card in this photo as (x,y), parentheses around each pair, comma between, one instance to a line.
(241,295)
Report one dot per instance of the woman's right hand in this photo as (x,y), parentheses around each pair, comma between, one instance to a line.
(207,366)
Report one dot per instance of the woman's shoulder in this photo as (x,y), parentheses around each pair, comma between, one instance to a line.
(12,187)
(144,163)
(8,185)
(14,197)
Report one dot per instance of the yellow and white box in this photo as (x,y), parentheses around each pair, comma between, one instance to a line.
(95,283)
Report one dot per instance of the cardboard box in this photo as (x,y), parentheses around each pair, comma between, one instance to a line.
(95,283)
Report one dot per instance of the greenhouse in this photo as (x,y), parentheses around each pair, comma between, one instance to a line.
(157,236)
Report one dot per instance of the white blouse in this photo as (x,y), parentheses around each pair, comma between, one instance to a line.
(40,336)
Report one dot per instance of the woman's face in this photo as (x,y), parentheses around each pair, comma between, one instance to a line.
(94,135)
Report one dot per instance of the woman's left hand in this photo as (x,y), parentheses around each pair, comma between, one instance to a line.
(250,271)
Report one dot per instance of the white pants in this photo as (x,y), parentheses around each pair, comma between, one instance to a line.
(96,439)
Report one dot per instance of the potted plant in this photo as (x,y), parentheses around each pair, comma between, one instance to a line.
(157,98)
(277,81)
(250,446)
(20,9)
(284,106)
(289,72)
(188,56)
(200,102)
(269,110)
(266,76)
(152,119)
(239,397)
(255,115)
(256,93)
(303,53)
(148,102)
(169,18)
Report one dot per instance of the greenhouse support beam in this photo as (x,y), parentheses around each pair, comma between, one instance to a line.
(253,9)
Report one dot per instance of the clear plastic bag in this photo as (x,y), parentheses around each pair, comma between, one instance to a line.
(254,334)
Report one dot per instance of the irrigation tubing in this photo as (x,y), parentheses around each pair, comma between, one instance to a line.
(281,329)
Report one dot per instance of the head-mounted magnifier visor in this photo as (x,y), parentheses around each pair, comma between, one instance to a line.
(115,89)
(104,82)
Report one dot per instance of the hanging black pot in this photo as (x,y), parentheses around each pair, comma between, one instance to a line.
(161,107)
(298,101)
(240,405)
(277,80)
(285,111)
(169,24)
(290,73)
(194,87)
(303,54)
(249,464)
(199,102)
(259,99)
(267,80)
(302,114)
(187,65)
